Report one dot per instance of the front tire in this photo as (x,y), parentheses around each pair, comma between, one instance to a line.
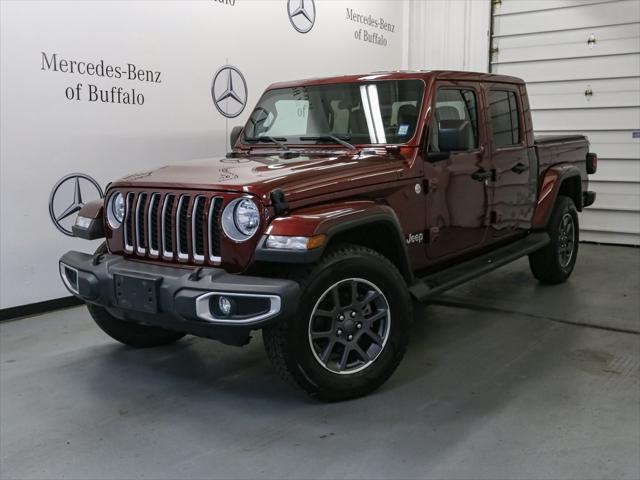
(129,333)
(554,263)
(351,330)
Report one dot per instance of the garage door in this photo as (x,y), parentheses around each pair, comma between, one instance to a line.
(581,61)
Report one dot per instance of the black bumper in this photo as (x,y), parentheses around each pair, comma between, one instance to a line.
(177,298)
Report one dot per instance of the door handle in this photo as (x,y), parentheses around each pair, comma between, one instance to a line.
(519,168)
(481,175)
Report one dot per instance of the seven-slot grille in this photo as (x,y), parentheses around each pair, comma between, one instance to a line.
(173,226)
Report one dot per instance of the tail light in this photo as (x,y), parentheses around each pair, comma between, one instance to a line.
(592,163)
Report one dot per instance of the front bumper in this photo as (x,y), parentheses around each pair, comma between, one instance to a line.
(176,298)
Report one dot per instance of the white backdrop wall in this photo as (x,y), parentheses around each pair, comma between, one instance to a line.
(448,35)
(45,136)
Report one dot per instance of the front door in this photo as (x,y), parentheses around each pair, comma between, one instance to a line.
(457,181)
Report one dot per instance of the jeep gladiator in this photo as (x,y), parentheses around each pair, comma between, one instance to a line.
(342,201)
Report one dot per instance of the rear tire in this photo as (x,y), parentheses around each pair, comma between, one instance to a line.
(351,330)
(129,333)
(554,263)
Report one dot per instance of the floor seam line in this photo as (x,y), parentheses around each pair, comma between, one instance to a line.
(474,306)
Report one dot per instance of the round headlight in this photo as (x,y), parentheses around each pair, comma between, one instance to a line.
(115,210)
(247,217)
(240,219)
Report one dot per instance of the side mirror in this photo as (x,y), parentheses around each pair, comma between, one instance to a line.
(234,135)
(455,135)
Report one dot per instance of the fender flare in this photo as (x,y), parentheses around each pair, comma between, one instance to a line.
(94,211)
(332,220)
(553,179)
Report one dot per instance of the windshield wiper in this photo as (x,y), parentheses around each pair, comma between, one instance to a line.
(331,137)
(265,138)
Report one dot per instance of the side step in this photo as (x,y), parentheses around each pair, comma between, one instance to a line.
(425,288)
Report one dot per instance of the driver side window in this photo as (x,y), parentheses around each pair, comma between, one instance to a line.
(454,108)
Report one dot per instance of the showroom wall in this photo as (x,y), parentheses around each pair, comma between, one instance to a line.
(449,35)
(91,91)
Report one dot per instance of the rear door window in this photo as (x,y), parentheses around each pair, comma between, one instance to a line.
(503,108)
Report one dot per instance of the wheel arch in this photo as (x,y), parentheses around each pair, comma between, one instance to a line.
(379,233)
(363,223)
(559,180)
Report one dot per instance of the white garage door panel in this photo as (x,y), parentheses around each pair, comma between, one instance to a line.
(623,189)
(587,119)
(609,237)
(520,6)
(610,221)
(616,196)
(610,92)
(617,170)
(545,43)
(569,44)
(618,144)
(583,16)
(627,65)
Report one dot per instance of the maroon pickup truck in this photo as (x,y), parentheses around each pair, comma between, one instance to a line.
(342,201)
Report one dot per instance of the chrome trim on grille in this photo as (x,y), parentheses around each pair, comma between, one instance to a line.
(166,252)
(215,201)
(187,230)
(181,256)
(151,225)
(194,222)
(139,248)
(128,242)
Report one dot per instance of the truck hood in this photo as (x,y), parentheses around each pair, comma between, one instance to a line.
(309,175)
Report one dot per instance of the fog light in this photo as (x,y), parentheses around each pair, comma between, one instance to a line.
(225,305)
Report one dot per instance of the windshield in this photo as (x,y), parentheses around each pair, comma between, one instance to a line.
(384,112)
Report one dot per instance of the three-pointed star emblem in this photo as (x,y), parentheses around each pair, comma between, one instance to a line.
(229,91)
(67,199)
(302,15)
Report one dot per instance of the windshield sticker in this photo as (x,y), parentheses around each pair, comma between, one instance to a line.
(403,129)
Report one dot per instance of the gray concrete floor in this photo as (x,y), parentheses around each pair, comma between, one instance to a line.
(495,385)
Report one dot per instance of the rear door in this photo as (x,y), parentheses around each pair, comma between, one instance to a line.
(457,199)
(514,166)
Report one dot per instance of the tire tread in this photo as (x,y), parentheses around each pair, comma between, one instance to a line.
(276,337)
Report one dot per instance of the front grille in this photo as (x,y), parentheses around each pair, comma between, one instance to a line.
(173,226)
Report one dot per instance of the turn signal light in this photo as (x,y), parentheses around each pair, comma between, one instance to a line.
(282,242)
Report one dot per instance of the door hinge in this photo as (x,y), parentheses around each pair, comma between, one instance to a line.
(432,234)
(430,185)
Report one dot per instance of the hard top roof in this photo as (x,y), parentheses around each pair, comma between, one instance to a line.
(425,75)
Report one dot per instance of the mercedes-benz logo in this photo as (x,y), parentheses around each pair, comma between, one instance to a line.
(303,16)
(68,196)
(229,91)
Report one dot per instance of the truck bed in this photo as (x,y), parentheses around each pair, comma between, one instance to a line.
(563,149)
(547,139)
